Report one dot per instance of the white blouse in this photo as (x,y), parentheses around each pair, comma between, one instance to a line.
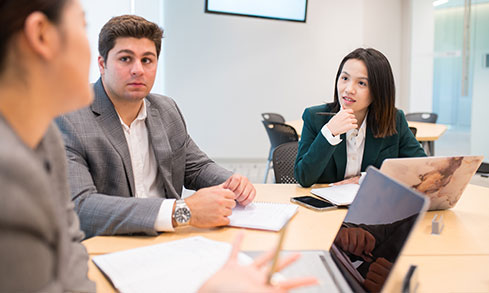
(355,145)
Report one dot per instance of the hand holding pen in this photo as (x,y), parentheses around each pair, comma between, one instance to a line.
(276,253)
(234,277)
(341,122)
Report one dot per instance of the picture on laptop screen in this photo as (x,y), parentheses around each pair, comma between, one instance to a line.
(367,245)
(374,231)
(441,179)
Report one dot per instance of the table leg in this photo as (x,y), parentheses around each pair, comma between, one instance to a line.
(429,147)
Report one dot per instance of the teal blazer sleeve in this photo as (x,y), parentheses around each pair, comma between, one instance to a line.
(318,161)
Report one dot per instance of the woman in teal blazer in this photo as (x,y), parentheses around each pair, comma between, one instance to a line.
(360,128)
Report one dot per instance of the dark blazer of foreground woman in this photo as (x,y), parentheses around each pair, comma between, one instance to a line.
(320,162)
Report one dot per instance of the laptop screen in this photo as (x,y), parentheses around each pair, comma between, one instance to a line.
(375,230)
(442,179)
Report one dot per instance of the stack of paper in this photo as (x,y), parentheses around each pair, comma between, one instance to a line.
(262,215)
(177,266)
(340,195)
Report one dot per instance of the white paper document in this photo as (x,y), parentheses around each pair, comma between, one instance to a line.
(177,266)
(262,215)
(340,195)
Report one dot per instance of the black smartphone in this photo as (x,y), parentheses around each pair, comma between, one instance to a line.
(312,203)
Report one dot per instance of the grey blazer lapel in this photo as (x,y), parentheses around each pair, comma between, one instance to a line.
(161,145)
(110,124)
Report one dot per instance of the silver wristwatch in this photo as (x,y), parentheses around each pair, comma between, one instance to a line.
(182,213)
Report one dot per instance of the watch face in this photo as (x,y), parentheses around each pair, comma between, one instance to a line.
(182,215)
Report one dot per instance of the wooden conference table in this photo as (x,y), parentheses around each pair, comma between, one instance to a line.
(426,133)
(456,261)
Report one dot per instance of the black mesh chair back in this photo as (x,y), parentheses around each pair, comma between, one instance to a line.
(278,133)
(283,162)
(414,130)
(483,168)
(428,146)
(422,117)
(273,117)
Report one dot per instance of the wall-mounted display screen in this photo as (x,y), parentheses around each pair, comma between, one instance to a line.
(293,10)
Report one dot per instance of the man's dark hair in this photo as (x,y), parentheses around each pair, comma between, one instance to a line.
(131,26)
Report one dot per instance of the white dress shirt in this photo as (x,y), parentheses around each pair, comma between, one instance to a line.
(355,145)
(145,168)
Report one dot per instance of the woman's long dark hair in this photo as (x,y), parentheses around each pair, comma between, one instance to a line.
(13,14)
(382,111)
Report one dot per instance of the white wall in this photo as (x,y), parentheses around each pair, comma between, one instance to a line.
(421,48)
(405,67)
(97,13)
(382,26)
(225,70)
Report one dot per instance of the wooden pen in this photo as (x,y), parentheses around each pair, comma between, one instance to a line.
(276,254)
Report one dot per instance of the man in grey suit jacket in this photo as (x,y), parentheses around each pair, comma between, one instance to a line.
(129,153)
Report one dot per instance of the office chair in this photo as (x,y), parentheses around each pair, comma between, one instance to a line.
(278,133)
(283,162)
(483,168)
(422,117)
(428,146)
(273,117)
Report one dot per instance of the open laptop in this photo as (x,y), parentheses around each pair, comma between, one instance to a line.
(383,208)
(441,179)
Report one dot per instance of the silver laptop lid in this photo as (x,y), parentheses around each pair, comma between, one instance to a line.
(376,228)
(441,179)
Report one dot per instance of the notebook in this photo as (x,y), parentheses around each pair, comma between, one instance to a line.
(340,195)
(441,179)
(157,268)
(262,215)
(383,208)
